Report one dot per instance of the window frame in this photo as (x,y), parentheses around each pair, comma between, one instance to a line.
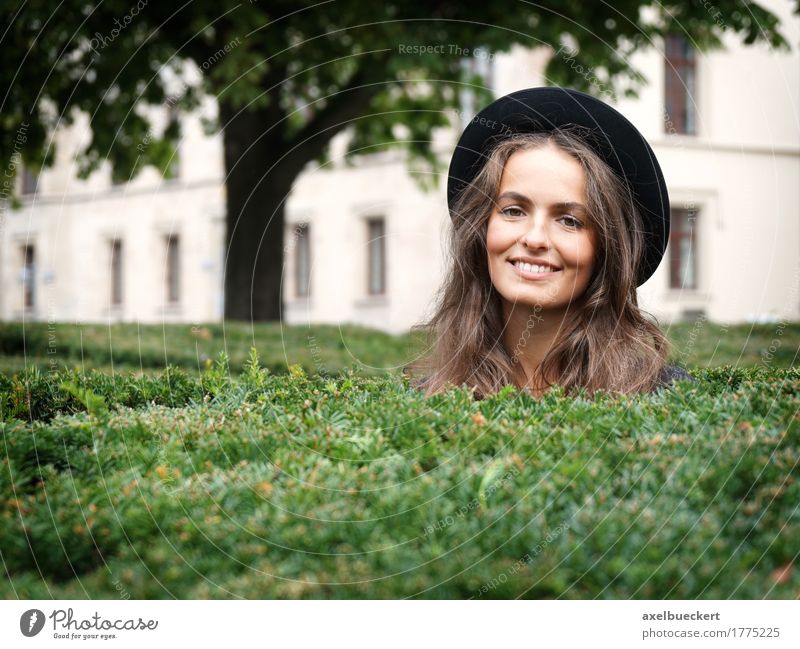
(28,276)
(302,261)
(117,280)
(680,85)
(687,217)
(29,182)
(173,274)
(376,243)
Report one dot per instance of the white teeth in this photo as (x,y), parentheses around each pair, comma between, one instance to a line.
(532,268)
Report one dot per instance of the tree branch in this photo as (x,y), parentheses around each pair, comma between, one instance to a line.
(350,102)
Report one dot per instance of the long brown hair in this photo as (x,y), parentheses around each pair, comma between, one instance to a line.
(608,342)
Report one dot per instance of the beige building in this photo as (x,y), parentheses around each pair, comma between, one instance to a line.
(364,243)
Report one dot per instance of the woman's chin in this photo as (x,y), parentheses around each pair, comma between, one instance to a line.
(525,300)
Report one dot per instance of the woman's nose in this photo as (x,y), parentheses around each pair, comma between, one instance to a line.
(536,236)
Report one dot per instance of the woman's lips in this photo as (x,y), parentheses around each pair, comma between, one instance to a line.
(532,276)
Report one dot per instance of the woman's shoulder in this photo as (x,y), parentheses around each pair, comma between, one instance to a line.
(672,373)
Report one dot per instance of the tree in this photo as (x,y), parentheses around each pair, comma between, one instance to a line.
(288,76)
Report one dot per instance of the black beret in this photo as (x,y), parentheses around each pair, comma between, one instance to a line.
(610,134)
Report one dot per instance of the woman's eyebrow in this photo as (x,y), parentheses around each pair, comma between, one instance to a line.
(521,198)
(570,207)
(514,196)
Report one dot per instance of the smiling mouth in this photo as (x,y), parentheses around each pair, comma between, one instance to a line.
(533,271)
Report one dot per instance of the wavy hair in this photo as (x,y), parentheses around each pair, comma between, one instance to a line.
(608,343)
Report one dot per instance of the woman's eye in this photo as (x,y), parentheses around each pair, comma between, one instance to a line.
(571,222)
(512,211)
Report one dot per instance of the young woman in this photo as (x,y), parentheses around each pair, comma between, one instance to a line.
(559,211)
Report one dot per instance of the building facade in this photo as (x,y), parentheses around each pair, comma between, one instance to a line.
(365,244)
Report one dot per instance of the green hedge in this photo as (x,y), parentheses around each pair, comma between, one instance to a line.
(267,486)
(326,349)
(321,349)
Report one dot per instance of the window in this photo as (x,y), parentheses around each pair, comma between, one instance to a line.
(173,269)
(28,275)
(680,86)
(30,181)
(302,261)
(116,272)
(683,249)
(376,257)
(480,67)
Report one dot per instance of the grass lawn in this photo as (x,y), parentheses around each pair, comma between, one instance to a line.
(198,482)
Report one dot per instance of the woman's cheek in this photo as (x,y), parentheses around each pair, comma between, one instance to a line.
(579,254)
(495,240)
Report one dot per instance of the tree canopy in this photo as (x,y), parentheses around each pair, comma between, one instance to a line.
(288,76)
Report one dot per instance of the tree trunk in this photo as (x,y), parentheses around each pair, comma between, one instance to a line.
(256,194)
(258,180)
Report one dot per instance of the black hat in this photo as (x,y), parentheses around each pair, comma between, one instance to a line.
(617,141)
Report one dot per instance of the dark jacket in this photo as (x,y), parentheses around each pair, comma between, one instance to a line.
(672,373)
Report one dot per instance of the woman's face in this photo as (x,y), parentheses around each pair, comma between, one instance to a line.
(540,245)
